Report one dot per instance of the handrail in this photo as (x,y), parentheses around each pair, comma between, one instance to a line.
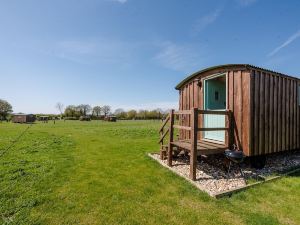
(193,129)
(164,123)
(183,112)
(182,127)
(164,135)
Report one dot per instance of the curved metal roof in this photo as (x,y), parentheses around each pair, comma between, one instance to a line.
(246,66)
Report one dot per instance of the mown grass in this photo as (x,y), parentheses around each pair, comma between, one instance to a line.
(98,173)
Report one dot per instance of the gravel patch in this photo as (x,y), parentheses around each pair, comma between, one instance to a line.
(212,177)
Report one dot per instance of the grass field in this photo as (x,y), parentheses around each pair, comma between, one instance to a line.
(98,173)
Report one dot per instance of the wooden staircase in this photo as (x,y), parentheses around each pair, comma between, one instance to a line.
(192,146)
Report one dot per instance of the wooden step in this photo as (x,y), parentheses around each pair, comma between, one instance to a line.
(163,152)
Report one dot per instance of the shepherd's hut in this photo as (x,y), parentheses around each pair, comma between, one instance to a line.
(23,118)
(240,106)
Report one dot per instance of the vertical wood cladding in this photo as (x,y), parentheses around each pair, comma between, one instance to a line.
(275,113)
(265,107)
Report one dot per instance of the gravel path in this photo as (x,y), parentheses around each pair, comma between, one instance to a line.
(213,178)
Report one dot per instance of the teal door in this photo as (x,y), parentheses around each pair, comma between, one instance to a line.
(215,99)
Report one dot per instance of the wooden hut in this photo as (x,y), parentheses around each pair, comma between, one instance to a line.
(255,109)
(111,118)
(43,119)
(23,118)
(85,118)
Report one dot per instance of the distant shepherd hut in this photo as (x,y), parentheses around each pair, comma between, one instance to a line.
(44,119)
(23,118)
(85,118)
(111,118)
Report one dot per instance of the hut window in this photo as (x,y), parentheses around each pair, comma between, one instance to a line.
(216,95)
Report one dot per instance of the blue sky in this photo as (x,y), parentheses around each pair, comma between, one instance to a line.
(132,53)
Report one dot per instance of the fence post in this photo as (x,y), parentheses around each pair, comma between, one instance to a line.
(161,144)
(170,148)
(194,132)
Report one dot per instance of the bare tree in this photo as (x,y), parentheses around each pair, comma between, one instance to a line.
(97,110)
(60,107)
(106,110)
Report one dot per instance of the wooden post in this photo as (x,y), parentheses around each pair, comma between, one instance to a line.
(193,153)
(170,149)
(228,132)
(161,144)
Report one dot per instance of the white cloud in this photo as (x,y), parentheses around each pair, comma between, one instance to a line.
(184,58)
(206,20)
(245,3)
(291,39)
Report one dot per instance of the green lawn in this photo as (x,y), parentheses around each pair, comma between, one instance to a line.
(98,173)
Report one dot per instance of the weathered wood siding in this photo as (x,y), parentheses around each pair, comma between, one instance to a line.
(238,101)
(274,113)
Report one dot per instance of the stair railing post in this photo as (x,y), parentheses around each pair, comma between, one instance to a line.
(193,153)
(171,132)
(161,143)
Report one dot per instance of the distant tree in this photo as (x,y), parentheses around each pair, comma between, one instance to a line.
(119,111)
(106,110)
(131,114)
(5,109)
(97,111)
(71,111)
(84,109)
(142,114)
(120,114)
(60,107)
(79,110)
(160,113)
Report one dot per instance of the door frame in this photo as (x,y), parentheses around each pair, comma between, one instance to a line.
(213,76)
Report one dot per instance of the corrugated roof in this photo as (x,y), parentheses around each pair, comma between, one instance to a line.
(247,66)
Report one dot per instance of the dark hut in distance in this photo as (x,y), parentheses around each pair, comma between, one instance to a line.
(23,118)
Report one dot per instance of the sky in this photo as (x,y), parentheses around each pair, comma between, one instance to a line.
(130,54)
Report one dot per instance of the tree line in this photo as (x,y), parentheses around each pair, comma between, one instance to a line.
(95,112)
(141,114)
(100,112)
(76,111)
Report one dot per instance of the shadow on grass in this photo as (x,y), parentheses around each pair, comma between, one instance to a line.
(294,174)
